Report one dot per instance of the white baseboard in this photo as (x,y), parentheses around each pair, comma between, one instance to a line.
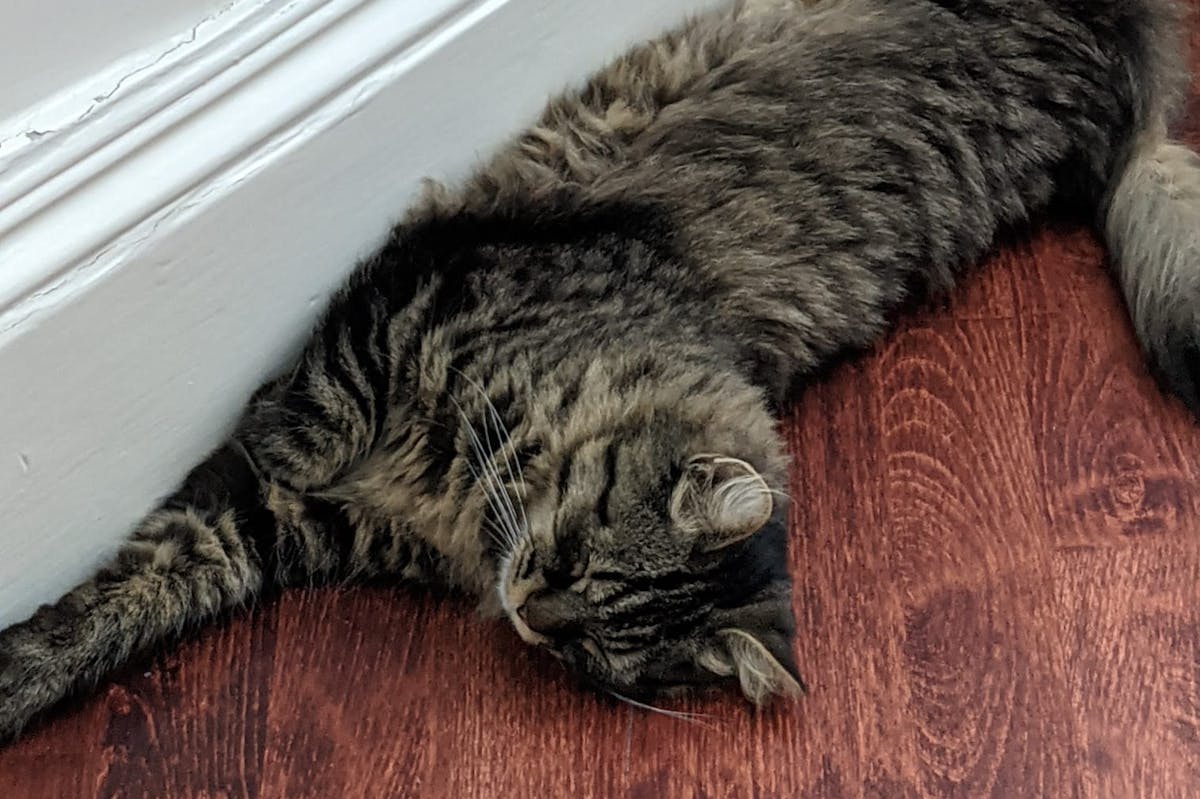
(164,246)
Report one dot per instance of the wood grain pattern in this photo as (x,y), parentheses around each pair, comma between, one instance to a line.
(997,557)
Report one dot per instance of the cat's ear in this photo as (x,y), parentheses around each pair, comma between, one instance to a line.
(763,664)
(720,500)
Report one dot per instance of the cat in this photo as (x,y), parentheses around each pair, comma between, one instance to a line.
(555,386)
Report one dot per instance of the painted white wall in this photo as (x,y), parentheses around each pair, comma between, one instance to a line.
(194,226)
(48,45)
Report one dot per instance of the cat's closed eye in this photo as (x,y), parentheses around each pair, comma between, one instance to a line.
(561,575)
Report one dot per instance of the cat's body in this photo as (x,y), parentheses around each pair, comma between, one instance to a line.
(553,388)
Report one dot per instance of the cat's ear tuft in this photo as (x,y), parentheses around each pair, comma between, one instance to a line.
(721,500)
(764,665)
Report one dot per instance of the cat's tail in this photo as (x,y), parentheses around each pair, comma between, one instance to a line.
(1152,227)
(187,562)
(1151,216)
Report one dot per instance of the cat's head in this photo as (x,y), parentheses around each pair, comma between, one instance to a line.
(650,566)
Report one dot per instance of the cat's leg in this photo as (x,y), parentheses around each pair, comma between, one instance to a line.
(310,426)
(247,518)
(195,557)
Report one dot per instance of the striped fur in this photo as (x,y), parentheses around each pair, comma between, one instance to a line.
(553,387)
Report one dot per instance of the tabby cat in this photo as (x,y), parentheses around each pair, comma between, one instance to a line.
(554,387)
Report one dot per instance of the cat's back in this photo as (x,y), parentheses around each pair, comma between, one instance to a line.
(816,164)
(780,71)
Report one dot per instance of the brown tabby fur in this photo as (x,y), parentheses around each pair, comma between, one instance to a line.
(554,387)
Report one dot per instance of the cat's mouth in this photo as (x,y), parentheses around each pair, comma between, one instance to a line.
(515,585)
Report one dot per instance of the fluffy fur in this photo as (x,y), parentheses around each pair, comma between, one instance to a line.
(553,387)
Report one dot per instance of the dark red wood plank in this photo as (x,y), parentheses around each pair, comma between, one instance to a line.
(997,556)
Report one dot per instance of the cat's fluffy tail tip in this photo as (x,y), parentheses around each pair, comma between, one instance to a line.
(1153,231)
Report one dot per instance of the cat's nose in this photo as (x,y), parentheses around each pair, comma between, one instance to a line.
(552,614)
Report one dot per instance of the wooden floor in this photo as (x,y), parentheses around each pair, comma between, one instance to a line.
(997,560)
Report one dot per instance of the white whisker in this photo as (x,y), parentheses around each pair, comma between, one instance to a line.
(501,535)
(512,460)
(501,490)
(496,533)
(681,715)
(511,457)
(505,516)
(491,462)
